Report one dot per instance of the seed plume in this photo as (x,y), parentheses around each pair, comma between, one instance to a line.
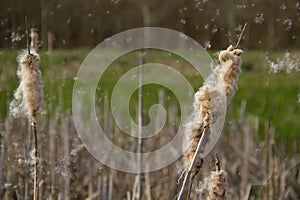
(29,94)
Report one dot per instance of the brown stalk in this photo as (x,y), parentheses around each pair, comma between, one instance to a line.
(27,36)
(35,139)
(140,125)
(35,165)
(187,182)
(241,35)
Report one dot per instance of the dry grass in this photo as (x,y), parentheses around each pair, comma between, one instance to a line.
(254,169)
(68,171)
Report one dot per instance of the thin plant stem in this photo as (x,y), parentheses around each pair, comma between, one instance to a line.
(241,35)
(140,125)
(189,189)
(27,36)
(188,174)
(218,164)
(35,164)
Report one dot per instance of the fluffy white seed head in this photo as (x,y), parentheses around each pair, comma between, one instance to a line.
(208,102)
(29,94)
(217,185)
(230,70)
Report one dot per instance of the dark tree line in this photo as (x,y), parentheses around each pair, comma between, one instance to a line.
(272,24)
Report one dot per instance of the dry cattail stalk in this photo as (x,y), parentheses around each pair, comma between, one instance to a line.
(196,126)
(35,163)
(217,183)
(34,39)
(139,191)
(28,99)
(195,130)
(206,110)
(29,95)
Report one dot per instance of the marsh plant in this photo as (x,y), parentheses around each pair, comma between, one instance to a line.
(207,104)
(28,99)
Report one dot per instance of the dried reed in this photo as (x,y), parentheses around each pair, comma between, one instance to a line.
(206,108)
(28,98)
(217,183)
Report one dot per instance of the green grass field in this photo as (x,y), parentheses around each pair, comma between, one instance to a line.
(271,97)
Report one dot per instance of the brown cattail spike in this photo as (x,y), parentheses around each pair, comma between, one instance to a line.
(217,185)
(29,94)
(195,128)
(206,111)
(231,69)
(32,83)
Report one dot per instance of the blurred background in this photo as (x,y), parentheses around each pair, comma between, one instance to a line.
(85,23)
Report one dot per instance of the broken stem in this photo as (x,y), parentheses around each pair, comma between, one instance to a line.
(27,36)
(241,35)
(35,167)
(188,174)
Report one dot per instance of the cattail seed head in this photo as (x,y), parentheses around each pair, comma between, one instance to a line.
(208,106)
(231,69)
(29,94)
(194,129)
(217,185)
(194,132)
